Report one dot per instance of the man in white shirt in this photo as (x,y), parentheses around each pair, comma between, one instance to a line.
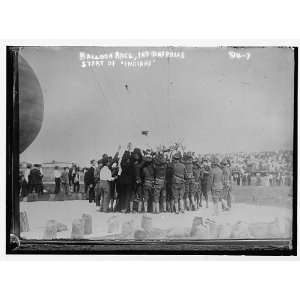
(104,185)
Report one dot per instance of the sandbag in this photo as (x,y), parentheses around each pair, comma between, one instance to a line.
(259,230)
(224,231)
(24,224)
(50,232)
(127,228)
(140,234)
(61,227)
(113,225)
(241,231)
(212,228)
(87,224)
(285,227)
(178,233)
(157,233)
(77,229)
(146,223)
(199,229)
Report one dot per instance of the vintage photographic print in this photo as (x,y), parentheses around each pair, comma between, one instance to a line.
(156,147)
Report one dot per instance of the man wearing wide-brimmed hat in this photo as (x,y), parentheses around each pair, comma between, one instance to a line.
(178,181)
(216,183)
(147,178)
(227,184)
(105,177)
(197,181)
(189,188)
(160,167)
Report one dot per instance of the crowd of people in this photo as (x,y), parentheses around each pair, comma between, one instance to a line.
(165,180)
(157,181)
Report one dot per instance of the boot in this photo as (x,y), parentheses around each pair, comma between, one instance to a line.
(187,204)
(140,206)
(176,208)
(164,206)
(200,202)
(216,209)
(229,201)
(114,203)
(224,205)
(206,203)
(154,207)
(157,207)
(181,204)
(194,207)
(145,206)
(168,206)
(172,207)
(131,206)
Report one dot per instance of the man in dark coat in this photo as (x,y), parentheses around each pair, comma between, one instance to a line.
(189,193)
(204,179)
(138,184)
(169,198)
(160,168)
(148,175)
(126,180)
(216,183)
(227,183)
(197,181)
(178,181)
(90,180)
(35,179)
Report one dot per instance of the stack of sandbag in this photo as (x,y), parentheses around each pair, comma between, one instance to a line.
(77,229)
(212,228)
(148,231)
(127,229)
(224,231)
(178,233)
(50,232)
(240,230)
(278,228)
(199,229)
(87,223)
(24,224)
(113,225)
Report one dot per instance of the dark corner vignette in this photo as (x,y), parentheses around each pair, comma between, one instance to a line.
(15,245)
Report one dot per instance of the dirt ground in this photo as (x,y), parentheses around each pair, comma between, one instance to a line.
(250,205)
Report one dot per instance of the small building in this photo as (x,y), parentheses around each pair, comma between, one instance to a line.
(48,169)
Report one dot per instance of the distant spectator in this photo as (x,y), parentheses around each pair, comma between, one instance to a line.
(41,186)
(90,180)
(25,186)
(35,179)
(85,180)
(249,178)
(65,180)
(72,175)
(258,179)
(76,181)
(57,175)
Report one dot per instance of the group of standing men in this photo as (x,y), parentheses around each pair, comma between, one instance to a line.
(147,181)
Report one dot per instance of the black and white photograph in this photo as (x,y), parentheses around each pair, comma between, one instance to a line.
(148,145)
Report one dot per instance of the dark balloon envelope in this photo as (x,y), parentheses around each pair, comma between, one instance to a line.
(31,105)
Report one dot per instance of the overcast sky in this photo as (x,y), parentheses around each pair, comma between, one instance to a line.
(213,102)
